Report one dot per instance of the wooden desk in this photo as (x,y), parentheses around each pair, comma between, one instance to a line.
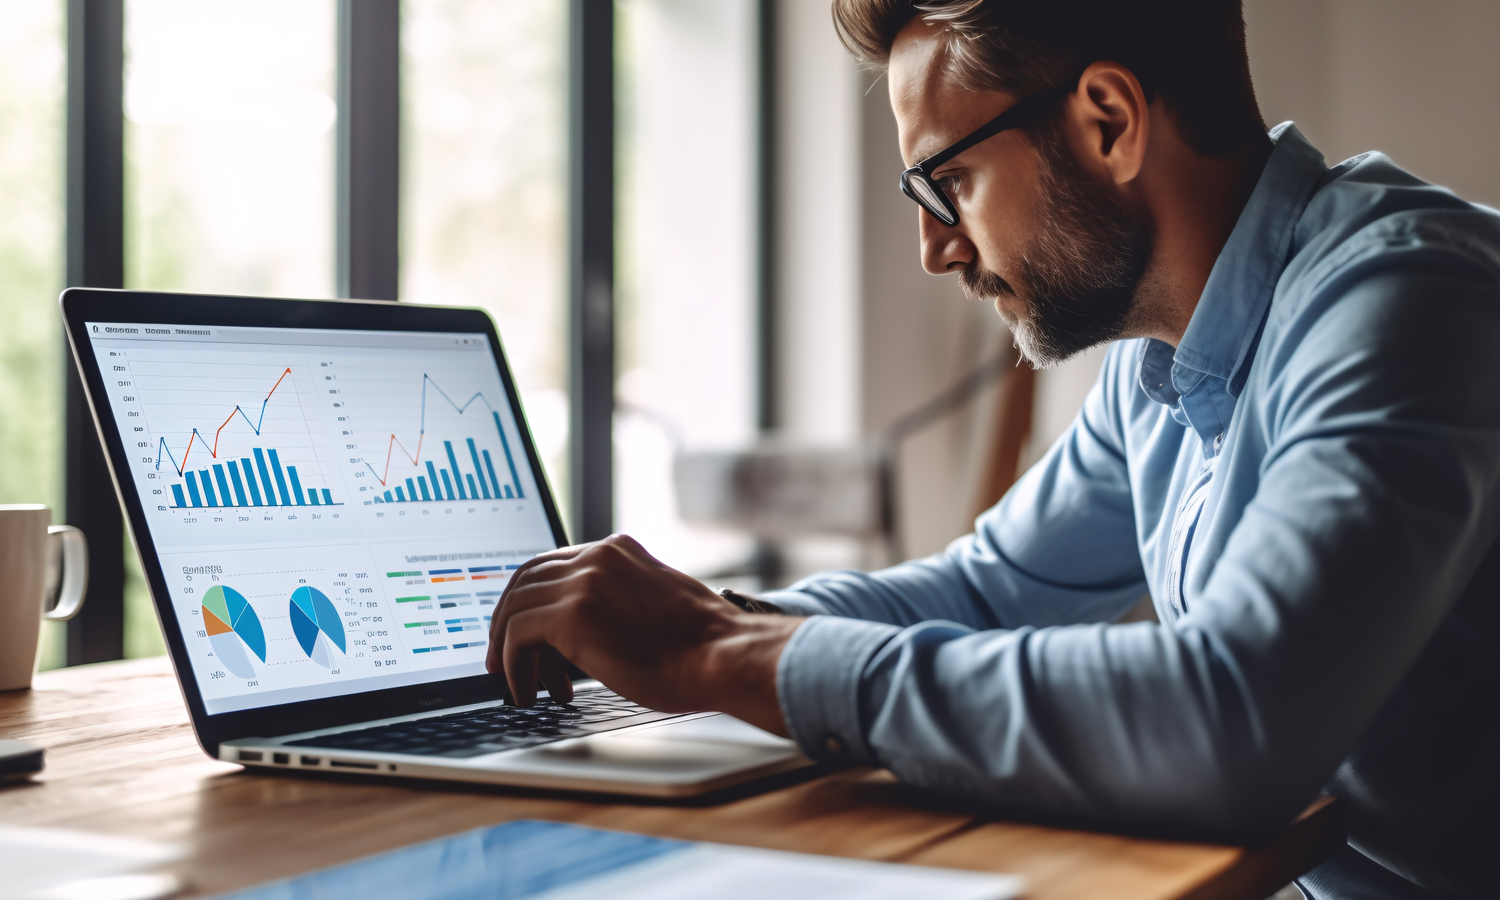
(121,759)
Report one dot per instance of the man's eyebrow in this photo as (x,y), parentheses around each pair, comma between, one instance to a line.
(928,147)
(926,150)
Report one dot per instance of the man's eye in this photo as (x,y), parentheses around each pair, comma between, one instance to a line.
(949,185)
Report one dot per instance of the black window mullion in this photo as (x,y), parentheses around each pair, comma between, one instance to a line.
(591,187)
(369,148)
(95,258)
(767,562)
(767,408)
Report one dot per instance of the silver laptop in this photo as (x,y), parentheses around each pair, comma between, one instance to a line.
(329,498)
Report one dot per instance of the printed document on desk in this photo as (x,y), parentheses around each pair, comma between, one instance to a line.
(554,861)
(53,864)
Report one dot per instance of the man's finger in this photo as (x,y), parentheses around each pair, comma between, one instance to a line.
(542,567)
(569,583)
(560,554)
(554,673)
(545,585)
(630,547)
(525,638)
(520,676)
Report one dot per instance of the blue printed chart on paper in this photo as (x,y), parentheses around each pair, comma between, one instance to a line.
(336,511)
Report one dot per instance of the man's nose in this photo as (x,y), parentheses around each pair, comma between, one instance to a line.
(945,248)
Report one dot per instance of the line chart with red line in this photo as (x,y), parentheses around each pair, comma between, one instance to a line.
(242,470)
(163,450)
(476,469)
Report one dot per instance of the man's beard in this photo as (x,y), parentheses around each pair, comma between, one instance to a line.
(1078,276)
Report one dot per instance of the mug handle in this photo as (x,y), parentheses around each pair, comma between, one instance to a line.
(75,579)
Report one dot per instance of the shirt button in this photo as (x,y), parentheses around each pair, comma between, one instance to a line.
(834,745)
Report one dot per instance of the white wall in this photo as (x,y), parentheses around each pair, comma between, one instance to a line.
(818,213)
(1415,79)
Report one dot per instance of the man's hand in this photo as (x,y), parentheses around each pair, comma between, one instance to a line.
(648,632)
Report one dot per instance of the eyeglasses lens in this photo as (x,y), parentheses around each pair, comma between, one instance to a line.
(926,193)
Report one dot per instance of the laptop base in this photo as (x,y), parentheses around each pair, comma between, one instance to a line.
(683,756)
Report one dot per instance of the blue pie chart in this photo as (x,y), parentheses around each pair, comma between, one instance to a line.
(316,623)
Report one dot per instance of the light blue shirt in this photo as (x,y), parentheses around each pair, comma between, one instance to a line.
(1308,487)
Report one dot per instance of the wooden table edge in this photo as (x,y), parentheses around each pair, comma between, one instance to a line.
(1264,870)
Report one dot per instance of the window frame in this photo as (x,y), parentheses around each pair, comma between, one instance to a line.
(367,229)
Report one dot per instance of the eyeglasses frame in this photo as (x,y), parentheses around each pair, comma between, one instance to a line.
(1024,112)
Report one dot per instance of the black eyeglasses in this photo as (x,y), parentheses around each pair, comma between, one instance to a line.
(917,182)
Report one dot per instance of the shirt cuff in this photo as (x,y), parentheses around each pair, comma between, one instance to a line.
(795,603)
(817,685)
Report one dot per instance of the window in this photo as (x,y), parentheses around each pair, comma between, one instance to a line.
(686,251)
(229,146)
(32,108)
(230,161)
(484,192)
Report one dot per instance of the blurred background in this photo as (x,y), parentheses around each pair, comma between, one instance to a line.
(761,287)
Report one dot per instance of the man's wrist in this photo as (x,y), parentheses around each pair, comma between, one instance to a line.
(739,666)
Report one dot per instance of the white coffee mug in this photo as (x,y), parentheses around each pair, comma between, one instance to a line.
(32,572)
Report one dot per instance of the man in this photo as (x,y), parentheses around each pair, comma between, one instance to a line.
(1293,445)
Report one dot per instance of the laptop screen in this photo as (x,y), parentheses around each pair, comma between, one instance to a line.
(335,511)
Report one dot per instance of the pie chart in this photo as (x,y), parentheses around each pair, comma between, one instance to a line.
(315,622)
(232,625)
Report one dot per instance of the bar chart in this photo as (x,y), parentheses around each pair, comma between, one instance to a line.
(453,483)
(226,488)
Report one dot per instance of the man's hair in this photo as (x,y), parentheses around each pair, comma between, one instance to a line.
(1190,52)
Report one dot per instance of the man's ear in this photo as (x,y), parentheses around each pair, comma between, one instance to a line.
(1108,122)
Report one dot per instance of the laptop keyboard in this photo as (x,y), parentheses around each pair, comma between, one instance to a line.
(496,728)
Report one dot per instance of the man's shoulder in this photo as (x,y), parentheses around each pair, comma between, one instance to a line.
(1390,279)
(1368,216)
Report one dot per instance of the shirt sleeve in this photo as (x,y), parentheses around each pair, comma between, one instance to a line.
(1059,548)
(1380,406)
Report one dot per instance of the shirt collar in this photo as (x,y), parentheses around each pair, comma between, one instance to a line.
(1203,377)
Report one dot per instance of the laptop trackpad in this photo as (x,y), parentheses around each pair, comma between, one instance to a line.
(675,751)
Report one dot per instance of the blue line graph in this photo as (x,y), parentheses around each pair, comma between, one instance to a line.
(451,483)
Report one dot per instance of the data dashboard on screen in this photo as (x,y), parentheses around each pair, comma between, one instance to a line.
(335,511)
